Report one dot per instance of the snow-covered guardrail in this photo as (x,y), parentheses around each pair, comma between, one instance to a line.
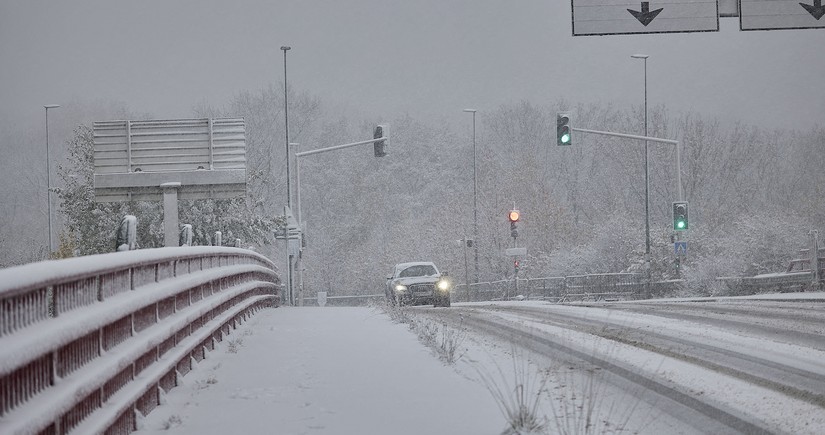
(565,288)
(88,342)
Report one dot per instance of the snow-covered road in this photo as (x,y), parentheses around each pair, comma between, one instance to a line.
(724,366)
(751,366)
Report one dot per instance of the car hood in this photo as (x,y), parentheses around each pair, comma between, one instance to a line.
(416,280)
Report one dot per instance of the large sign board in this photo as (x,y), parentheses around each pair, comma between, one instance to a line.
(612,17)
(133,159)
(781,14)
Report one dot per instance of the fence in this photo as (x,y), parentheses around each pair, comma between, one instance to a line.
(803,274)
(603,286)
(102,335)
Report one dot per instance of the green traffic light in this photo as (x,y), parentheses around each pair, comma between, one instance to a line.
(565,138)
(680,224)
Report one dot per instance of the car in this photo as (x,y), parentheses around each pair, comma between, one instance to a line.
(418,283)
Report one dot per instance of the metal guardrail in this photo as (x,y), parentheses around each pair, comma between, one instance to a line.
(103,334)
(780,282)
(602,286)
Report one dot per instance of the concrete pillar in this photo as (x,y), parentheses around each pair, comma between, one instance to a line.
(170,214)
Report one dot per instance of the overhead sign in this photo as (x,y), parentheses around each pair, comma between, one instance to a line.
(612,17)
(781,14)
(133,159)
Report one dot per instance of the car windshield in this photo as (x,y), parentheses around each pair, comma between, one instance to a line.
(419,270)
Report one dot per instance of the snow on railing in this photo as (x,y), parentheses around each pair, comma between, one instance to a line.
(81,333)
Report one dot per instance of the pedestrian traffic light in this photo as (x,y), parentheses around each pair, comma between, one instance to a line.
(513,216)
(381,131)
(680,215)
(563,131)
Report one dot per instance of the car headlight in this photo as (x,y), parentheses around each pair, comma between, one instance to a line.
(444,285)
(400,288)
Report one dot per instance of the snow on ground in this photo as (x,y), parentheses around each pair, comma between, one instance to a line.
(780,411)
(337,370)
(325,371)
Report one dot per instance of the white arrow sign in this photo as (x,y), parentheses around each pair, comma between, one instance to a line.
(611,17)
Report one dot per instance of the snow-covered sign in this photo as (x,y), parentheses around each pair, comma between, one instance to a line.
(132,159)
(612,17)
(513,252)
(781,14)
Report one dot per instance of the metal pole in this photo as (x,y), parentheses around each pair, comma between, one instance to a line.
(288,190)
(286,132)
(647,180)
(680,194)
(475,200)
(475,197)
(49,176)
(298,188)
(466,269)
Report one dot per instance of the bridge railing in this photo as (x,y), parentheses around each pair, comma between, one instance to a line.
(600,286)
(103,334)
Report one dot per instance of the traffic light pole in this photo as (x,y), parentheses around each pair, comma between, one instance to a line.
(298,198)
(678,182)
(651,139)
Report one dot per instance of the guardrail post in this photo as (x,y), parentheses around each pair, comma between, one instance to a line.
(815,271)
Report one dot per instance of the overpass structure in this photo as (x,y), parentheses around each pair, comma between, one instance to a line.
(105,335)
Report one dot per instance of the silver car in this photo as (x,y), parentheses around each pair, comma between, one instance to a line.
(418,283)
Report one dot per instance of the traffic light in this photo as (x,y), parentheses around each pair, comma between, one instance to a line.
(382,130)
(513,216)
(515,265)
(563,131)
(680,215)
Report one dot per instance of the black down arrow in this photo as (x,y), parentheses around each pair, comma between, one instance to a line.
(816,9)
(646,15)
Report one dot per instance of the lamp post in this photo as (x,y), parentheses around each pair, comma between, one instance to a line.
(475,200)
(647,174)
(286,48)
(49,174)
(286,132)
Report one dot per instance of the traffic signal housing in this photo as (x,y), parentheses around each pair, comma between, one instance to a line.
(563,131)
(380,146)
(513,216)
(680,216)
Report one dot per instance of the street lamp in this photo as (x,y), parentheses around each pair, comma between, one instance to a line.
(647,175)
(475,199)
(286,132)
(49,174)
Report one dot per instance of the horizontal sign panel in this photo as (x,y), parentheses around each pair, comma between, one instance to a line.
(148,186)
(612,17)
(133,158)
(513,252)
(781,14)
(169,145)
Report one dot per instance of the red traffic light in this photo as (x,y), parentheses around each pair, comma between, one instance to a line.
(513,216)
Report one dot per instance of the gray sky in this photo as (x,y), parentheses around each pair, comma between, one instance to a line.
(428,58)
